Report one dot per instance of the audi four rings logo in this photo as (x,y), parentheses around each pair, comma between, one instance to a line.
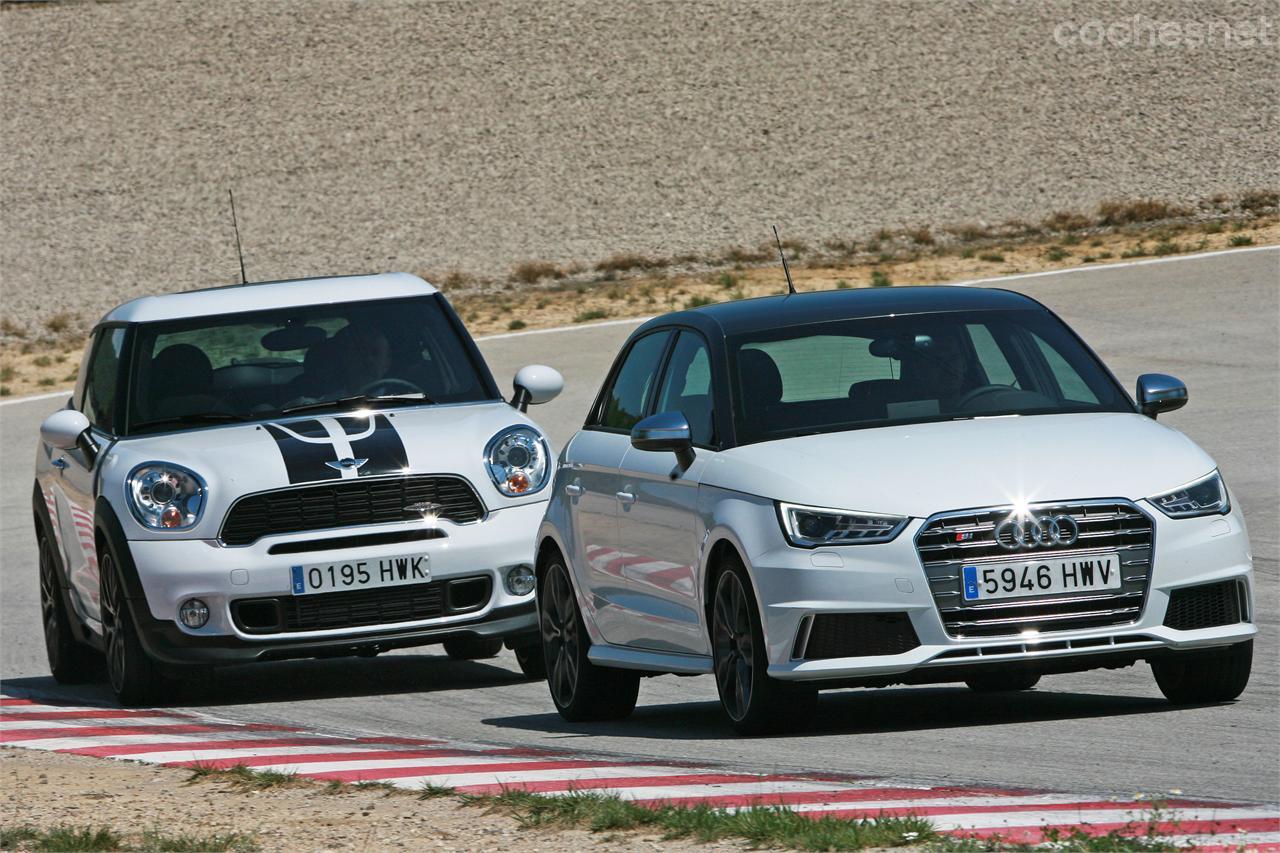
(1041,531)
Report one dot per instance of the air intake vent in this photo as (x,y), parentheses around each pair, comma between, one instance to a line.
(848,635)
(950,541)
(1206,606)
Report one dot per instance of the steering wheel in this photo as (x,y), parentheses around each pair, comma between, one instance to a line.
(391,385)
(981,391)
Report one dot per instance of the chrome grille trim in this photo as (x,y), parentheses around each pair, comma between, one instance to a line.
(1106,526)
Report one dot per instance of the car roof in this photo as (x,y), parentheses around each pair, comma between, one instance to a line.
(255,296)
(797,309)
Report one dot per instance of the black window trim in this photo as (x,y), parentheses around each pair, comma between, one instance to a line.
(596,414)
(650,409)
(113,429)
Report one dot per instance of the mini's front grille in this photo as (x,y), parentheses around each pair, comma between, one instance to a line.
(1206,606)
(348,503)
(360,608)
(950,541)
(846,635)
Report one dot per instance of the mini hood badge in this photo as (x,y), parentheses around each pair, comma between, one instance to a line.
(423,508)
(347,464)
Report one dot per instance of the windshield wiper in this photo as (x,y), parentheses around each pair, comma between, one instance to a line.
(194,418)
(357,400)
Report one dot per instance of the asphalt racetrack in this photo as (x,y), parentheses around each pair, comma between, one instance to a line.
(1212,320)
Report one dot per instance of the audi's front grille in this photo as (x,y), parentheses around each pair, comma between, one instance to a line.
(950,541)
(1208,605)
(348,503)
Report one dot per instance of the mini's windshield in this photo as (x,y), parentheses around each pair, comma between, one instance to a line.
(850,374)
(264,364)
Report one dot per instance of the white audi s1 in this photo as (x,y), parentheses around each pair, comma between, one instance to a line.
(875,487)
(289,469)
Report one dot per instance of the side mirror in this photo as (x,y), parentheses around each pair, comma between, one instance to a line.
(63,429)
(1159,393)
(665,431)
(535,384)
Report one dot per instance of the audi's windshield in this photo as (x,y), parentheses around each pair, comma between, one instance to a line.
(849,374)
(263,364)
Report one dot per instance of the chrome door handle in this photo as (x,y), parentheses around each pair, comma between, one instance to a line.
(573,489)
(625,497)
(60,463)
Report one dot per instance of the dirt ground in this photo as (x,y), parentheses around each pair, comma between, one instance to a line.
(46,790)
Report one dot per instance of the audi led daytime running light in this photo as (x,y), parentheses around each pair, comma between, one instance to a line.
(1206,496)
(518,461)
(164,496)
(810,527)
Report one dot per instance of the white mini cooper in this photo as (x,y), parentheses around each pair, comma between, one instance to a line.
(289,469)
(864,488)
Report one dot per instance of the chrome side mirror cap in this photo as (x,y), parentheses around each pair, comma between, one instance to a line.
(1160,393)
(665,431)
(62,430)
(535,384)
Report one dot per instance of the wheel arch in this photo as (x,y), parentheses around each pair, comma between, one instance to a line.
(45,532)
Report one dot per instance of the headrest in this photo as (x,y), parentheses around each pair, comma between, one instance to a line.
(761,382)
(181,365)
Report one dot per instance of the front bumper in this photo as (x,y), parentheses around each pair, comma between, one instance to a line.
(170,572)
(795,585)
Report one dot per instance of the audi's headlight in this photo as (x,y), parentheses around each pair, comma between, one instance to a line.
(518,461)
(812,526)
(164,496)
(1206,496)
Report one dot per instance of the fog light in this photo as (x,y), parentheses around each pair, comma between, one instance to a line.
(194,613)
(520,580)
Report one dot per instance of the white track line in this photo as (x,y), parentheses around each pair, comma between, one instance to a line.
(949,802)
(1001,820)
(304,768)
(65,743)
(69,726)
(217,753)
(566,774)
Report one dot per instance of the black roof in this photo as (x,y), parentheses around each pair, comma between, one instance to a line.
(771,312)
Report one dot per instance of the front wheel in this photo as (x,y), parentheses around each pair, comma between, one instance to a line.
(1193,678)
(532,662)
(753,702)
(581,690)
(134,676)
(69,662)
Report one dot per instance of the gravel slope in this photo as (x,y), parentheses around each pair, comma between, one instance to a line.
(439,136)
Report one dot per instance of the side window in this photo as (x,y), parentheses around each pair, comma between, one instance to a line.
(624,403)
(100,383)
(1074,388)
(686,387)
(993,362)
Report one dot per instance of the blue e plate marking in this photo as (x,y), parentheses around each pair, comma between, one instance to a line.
(298,586)
(970,575)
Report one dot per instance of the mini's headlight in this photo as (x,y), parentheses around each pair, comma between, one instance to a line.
(1206,496)
(518,461)
(812,526)
(164,496)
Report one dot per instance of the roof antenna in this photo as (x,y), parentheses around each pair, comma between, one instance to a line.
(791,287)
(244,279)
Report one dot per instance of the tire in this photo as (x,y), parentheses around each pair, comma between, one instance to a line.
(69,661)
(1003,682)
(753,702)
(1195,678)
(582,691)
(532,662)
(469,648)
(133,675)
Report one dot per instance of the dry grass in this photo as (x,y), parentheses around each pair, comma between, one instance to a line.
(531,272)
(627,261)
(1119,212)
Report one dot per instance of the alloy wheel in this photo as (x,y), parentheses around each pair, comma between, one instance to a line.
(112,620)
(49,604)
(560,636)
(734,647)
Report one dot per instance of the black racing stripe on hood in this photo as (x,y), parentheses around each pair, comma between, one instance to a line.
(384,449)
(303,460)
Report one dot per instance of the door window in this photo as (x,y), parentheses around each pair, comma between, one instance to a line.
(624,403)
(686,387)
(100,387)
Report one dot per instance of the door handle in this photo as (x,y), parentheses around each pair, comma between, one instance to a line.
(625,497)
(573,489)
(60,463)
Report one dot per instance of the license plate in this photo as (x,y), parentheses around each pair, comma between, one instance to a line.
(1041,577)
(359,574)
